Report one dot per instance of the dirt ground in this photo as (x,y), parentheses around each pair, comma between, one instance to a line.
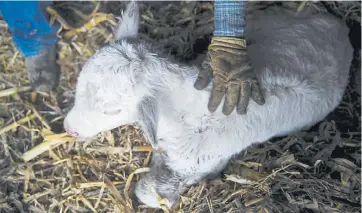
(318,170)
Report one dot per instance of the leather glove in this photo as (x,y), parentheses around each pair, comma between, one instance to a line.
(230,69)
(73,14)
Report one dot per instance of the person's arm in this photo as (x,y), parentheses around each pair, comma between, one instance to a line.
(36,40)
(30,29)
(229,18)
(227,63)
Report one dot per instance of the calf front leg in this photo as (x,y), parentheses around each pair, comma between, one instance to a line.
(196,163)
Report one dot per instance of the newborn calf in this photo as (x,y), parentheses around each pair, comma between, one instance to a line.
(301,61)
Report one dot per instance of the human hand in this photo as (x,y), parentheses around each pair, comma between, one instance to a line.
(230,69)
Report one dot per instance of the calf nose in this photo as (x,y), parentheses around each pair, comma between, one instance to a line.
(69,131)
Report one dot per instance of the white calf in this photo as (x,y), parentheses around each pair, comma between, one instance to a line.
(302,64)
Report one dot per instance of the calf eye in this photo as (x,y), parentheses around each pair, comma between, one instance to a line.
(112,112)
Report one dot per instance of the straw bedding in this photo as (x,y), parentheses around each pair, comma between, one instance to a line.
(313,171)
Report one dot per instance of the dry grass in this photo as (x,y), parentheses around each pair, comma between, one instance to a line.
(313,171)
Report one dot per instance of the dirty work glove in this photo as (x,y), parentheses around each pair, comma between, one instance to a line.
(227,63)
(43,70)
(73,14)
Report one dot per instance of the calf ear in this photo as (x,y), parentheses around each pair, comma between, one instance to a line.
(148,115)
(129,22)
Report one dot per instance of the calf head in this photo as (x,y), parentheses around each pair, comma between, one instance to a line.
(110,90)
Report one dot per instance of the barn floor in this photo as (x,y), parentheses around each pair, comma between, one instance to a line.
(313,171)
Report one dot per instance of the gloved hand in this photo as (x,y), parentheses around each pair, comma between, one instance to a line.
(229,67)
(73,14)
